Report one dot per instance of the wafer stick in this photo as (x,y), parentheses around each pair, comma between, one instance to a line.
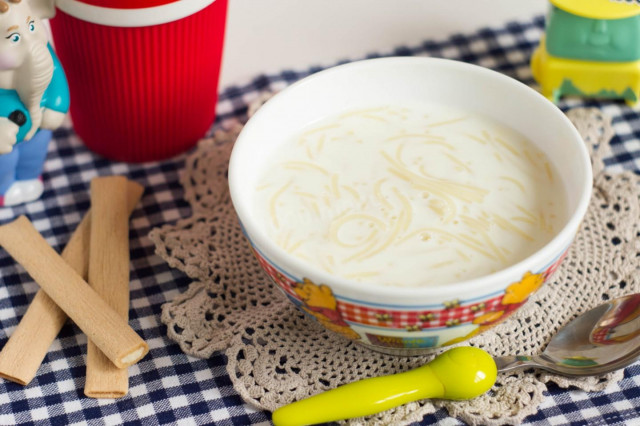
(25,350)
(69,291)
(109,277)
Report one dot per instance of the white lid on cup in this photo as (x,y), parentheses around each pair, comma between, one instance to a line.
(132,17)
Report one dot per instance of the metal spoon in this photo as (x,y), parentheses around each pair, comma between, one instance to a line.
(599,341)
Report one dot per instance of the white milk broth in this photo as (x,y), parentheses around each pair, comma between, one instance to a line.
(410,196)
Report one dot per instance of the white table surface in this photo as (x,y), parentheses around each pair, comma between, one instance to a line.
(267,36)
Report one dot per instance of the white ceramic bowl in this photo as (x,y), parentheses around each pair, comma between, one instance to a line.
(392,319)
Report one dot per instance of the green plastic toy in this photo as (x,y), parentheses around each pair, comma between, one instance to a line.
(591,48)
(460,373)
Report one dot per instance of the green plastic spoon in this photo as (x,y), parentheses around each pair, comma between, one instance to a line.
(461,373)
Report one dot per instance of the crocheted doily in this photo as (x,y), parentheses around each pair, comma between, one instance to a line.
(276,355)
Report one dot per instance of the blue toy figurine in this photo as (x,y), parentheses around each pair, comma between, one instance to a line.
(34,98)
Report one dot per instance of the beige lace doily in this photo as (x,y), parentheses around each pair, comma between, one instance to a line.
(276,355)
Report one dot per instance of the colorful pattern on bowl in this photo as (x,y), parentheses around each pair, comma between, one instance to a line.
(387,327)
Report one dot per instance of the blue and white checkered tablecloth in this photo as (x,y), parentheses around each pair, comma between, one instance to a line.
(168,387)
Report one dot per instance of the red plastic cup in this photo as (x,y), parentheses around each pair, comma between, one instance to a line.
(143,74)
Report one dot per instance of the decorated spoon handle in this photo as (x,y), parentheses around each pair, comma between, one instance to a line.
(461,373)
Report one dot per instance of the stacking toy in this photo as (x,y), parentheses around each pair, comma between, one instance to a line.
(460,373)
(591,48)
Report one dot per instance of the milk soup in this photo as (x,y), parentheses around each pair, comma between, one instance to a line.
(408,197)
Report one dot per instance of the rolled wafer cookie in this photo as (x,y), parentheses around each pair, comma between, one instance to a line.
(101,323)
(26,348)
(109,277)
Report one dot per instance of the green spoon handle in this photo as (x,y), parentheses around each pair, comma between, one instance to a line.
(461,373)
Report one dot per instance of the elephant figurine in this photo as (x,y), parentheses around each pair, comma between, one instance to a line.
(34,98)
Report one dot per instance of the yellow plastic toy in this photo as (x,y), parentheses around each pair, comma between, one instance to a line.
(591,48)
(460,373)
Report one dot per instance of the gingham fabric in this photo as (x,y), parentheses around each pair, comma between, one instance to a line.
(168,387)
